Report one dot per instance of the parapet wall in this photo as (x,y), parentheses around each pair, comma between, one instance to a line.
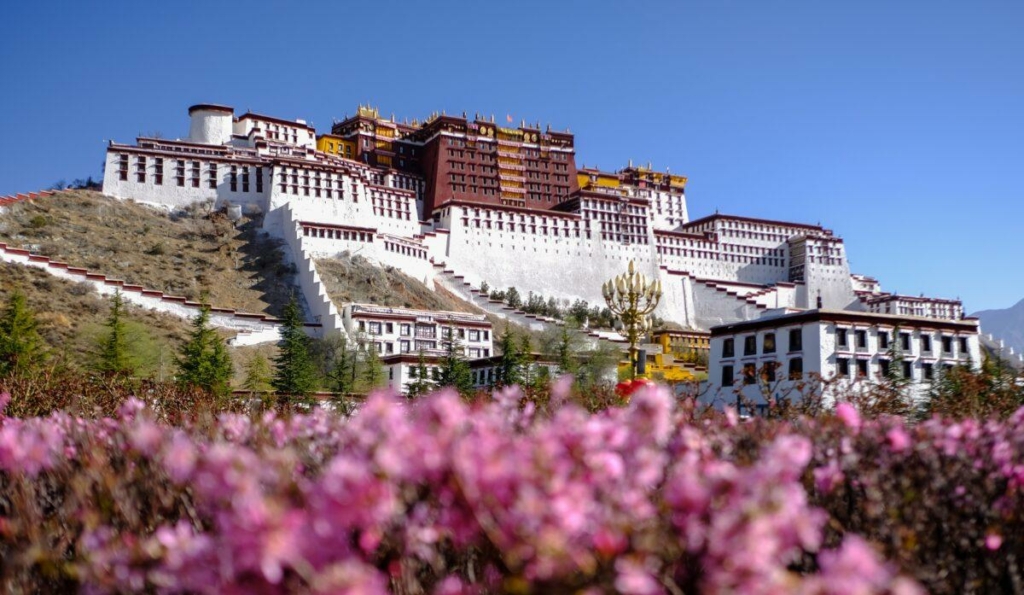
(251,328)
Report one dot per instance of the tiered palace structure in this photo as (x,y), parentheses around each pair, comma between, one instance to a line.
(479,201)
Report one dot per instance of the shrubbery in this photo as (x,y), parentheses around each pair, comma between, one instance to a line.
(508,495)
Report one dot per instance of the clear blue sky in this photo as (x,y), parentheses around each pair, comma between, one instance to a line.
(900,125)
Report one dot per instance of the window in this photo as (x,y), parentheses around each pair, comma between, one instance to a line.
(769,343)
(926,343)
(796,340)
(234,178)
(862,339)
(728,349)
(750,345)
(768,371)
(374,328)
(122,167)
(749,373)
(883,339)
(726,375)
(485,335)
(404,330)
(140,169)
(843,367)
(883,367)
(963,346)
(928,371)
(245,178)
(179,172)
(905,341)
(796,368)
(862,368)
(446,332)
(362,326)
(908,370)
(947,344)
(389,347)
(474,335)
(158,170)
(389,327)
(259,179)
(213,176)
(404,346)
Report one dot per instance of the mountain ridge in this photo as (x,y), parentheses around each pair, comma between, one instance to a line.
(1006,324)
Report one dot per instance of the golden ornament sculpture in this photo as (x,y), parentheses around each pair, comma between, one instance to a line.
(631,297)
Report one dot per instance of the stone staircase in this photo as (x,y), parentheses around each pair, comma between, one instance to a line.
(457,284)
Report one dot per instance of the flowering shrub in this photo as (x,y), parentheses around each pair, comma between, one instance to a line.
(441,496)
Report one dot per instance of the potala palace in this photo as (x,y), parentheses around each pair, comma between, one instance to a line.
(459,197)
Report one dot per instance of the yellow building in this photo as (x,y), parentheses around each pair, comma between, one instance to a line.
(335,145)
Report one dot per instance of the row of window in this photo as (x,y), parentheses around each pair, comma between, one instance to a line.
(796,343)
(193,171)
(860,340)
(406,329)
(845,368)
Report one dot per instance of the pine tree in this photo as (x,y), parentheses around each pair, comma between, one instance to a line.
(525,358)
(257,375)
(20,346)
(340,375)
(455,372)
(564,351)
(512,298)
(421,384)
(295,373)
(114,353)
(373,370)
(204,360)
(510,365)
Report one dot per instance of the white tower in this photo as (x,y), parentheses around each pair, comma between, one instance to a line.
(211,124)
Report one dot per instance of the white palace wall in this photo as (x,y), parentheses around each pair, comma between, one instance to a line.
(562,266)
(171,194)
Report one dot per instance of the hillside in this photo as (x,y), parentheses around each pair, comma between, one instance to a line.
(181,253)
(354,279)
(1006,324)
(70,317)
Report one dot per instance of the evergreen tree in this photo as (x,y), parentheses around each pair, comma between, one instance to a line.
(455,370)
(20,346)
(204,360)
(114,353)
(373,369)
(895,377)
(510,366)
(526,359)
(421,383)
(258,375)
(565,351)
(342,367)
(512,298)
(295,373)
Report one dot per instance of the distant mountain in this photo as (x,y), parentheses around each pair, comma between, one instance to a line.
(1006,324)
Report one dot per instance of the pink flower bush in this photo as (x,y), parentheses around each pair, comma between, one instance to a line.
(442,496)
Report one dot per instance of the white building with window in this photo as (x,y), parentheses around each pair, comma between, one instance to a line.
(786,353)
(396,331)
(402,369)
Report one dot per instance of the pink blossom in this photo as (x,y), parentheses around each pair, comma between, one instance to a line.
(898,439)
(993,541)
(848,414)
